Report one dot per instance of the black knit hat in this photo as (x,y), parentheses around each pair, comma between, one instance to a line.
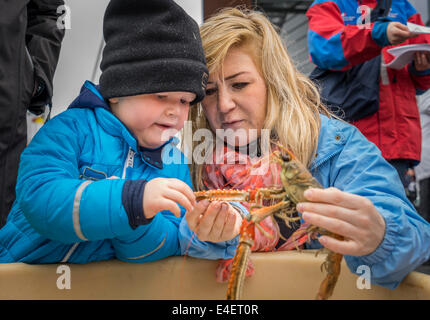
(151,46)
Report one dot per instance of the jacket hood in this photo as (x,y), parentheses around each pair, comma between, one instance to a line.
(90,97)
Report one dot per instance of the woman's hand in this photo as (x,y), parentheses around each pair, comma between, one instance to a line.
(214,221)
(352,216)
(165,194)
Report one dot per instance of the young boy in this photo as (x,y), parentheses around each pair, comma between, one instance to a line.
(92,184)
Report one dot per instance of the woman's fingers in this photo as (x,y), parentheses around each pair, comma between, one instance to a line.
(336,197)
(219,223)
(329,210)
(337,226)
(193,216)
(346,247)
(230,228)
(352,216)
(207,220)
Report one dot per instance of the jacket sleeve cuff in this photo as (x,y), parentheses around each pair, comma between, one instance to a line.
(132,200)
(387,246)
(379,33)
(193,247)
(241,208)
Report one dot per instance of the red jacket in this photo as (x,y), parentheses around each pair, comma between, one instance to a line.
(336,42)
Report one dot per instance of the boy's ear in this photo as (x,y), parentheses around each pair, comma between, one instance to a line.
(114,100)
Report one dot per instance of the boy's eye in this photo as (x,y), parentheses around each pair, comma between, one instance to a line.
(240,85)
(185,102)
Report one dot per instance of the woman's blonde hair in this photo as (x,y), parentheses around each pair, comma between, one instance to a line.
(293,101)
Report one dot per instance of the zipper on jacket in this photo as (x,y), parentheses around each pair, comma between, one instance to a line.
(318,164)
(128,162)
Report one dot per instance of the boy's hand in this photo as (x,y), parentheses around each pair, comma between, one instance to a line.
(214,221)
(398,33)
(165,194)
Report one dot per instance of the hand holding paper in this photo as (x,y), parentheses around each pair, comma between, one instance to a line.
(398,33)
(422,60)
(406,54)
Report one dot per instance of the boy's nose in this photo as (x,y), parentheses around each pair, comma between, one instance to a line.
(225,101)
(173,109)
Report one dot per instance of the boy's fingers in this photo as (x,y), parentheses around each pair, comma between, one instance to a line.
(178,197)
(182,187)
(171,206)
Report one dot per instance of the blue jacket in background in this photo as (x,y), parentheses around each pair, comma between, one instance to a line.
(67,210)
(348,161)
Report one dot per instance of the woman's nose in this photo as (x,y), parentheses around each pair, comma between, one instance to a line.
(225,101)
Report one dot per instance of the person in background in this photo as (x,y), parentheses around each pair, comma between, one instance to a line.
(30,42)
(337,42)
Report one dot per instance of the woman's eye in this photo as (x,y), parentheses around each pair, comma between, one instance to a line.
(161,97)
(210,92)
(240,85)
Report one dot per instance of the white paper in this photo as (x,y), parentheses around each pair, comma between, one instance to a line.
(416,28)
(405,54)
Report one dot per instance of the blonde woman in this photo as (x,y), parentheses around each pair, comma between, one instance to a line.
(255,89)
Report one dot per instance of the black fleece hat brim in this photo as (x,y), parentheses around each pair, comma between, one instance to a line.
(143,77)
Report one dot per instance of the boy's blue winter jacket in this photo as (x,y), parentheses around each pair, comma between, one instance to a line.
(67,211)
(348,161)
